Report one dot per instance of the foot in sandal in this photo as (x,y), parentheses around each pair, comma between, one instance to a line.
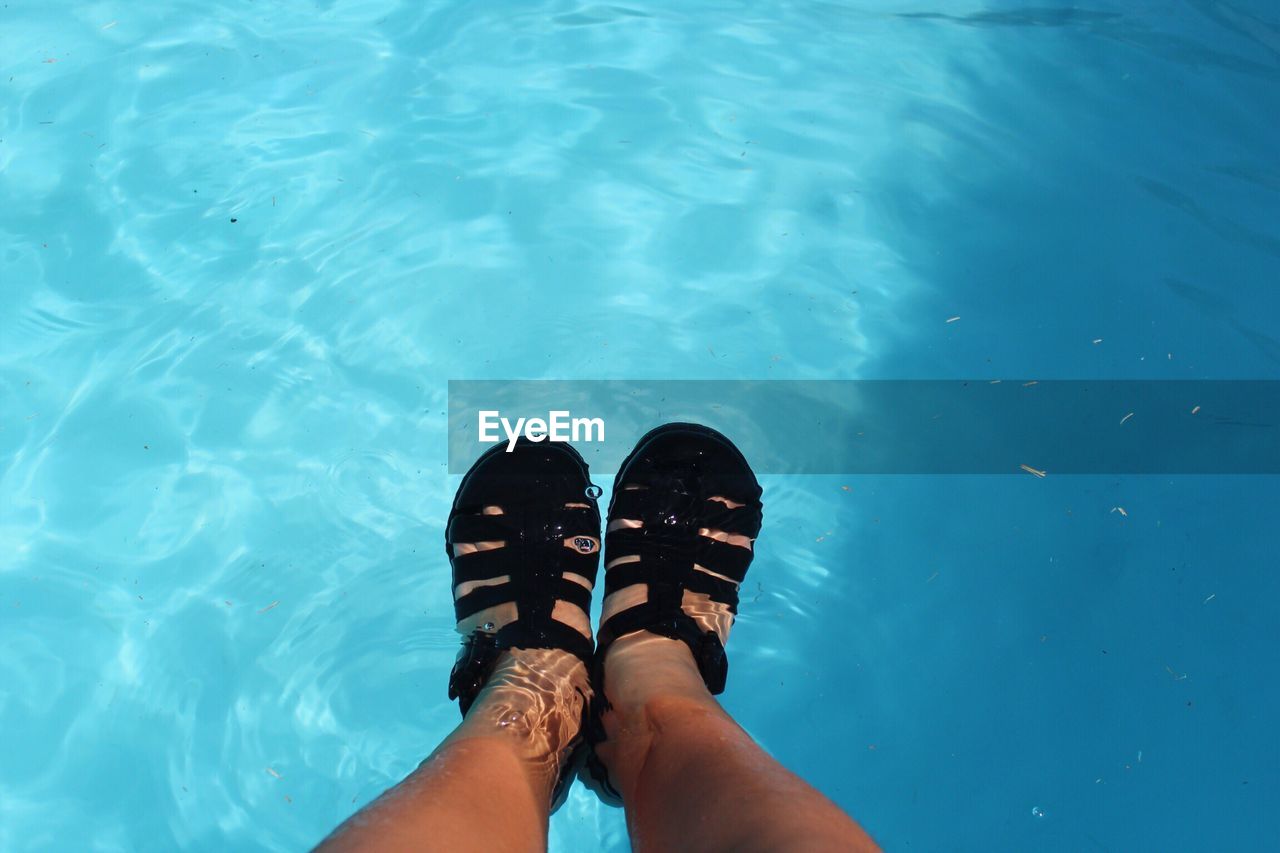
(523,541)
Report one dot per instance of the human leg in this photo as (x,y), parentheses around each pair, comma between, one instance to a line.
(685,513)
(488,786)
(523,544)
(690,778)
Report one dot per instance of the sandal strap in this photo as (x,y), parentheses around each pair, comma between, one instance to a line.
(718,589)
(744,520)
(723,558)
(510,560)
(533,523)
(549,591)
(481,650)
(708,651)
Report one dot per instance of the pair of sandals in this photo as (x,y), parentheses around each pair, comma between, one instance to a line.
(683,503)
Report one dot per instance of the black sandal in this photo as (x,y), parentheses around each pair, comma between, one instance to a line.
(531,484)
(679,468)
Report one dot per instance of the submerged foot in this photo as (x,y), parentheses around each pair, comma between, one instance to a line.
(523,540)
(680,536)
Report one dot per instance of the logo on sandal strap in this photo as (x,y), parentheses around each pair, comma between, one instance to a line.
(585,544)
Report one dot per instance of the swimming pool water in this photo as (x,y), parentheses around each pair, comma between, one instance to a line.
(244,245)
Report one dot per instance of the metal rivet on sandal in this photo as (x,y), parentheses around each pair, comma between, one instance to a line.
(594,491)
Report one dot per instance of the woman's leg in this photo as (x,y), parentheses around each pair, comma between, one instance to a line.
(488,785)
(690,778)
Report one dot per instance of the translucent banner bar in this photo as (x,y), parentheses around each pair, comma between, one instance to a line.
(896,426)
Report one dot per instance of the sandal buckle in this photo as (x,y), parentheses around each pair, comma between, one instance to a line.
(713,663)
(479,650)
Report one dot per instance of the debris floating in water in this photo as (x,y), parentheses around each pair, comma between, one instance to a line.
(1036,811)
(1195,410)
(269,607)
(1120,510)
(1097,341)
(1036,471)
(1211,597)
(1125,418)
(953,319)
(273,772)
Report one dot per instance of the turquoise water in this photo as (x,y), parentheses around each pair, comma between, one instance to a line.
(243,247)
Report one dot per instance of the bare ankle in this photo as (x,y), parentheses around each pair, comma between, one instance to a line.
(643,668)
(652,685)
(532,700)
